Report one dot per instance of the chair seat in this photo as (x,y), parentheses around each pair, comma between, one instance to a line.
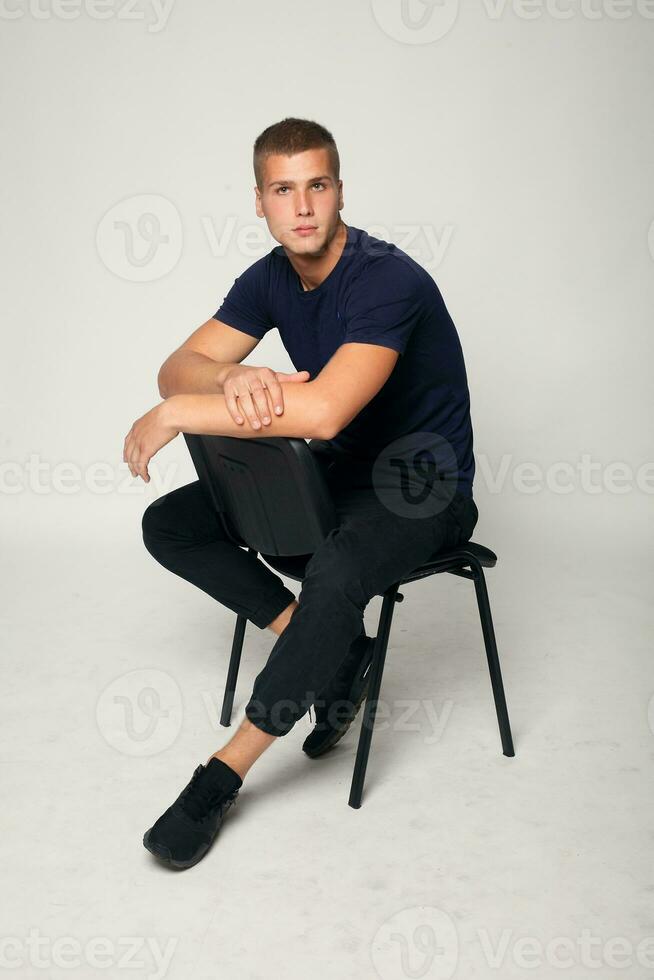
(294,566)
(291,565)
(445,561)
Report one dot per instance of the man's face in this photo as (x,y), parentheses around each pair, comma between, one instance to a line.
(300,191)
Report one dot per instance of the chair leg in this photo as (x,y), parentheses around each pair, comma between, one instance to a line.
(493,659)
(232,672)
(370,706)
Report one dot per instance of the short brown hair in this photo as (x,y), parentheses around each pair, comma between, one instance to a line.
(292,136)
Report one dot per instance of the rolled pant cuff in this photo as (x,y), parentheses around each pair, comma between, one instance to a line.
(255,714)
(271,607)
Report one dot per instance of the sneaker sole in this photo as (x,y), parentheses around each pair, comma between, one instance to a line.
(163,855)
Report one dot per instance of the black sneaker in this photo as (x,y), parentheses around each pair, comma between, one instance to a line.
(337,706)
(185,832)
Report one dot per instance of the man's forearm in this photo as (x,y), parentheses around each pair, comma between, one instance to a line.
(304,417)
(189,372)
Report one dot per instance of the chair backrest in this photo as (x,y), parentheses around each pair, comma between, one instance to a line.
(270,493)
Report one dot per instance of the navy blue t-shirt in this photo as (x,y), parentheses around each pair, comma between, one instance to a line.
(375,294)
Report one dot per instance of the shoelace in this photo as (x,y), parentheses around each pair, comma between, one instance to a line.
(199,800)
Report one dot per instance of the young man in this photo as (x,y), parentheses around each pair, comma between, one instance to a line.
(381,391)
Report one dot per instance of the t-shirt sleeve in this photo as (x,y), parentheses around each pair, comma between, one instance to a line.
(385,304)
(245,307)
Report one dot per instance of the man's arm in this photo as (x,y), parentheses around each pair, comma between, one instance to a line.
(350,379)
(201,363)
(313,410)
(305,415)
(317,409)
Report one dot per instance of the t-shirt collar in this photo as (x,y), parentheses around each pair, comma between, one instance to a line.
(324,285)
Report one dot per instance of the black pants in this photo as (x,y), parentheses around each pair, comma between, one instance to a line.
(371,548)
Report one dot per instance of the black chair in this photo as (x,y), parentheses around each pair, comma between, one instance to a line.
(272,498)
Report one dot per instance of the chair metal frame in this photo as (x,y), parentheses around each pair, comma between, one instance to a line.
(225,464)
(467,561)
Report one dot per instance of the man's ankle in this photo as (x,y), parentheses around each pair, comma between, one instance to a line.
(235,764)
(280,623)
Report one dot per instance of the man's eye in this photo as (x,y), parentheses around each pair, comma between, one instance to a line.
(317,183)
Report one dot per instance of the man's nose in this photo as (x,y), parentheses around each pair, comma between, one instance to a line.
(302,203)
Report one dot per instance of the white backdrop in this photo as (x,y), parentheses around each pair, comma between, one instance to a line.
(511,157)
(509,147)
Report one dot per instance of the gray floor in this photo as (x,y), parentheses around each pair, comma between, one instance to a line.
(461,862)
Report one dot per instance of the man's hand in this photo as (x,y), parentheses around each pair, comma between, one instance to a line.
(259,391)
(146,437)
